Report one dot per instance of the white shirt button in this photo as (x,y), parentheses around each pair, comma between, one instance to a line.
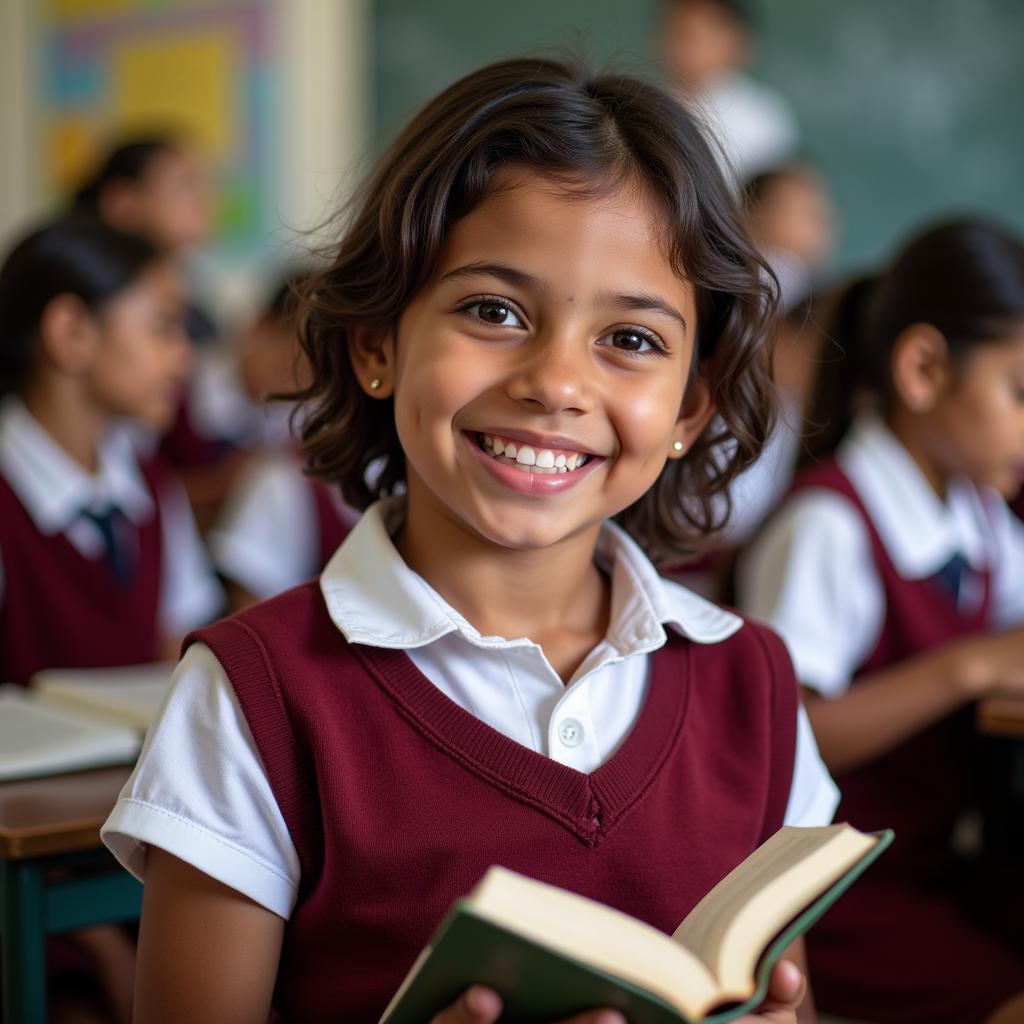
(570,732)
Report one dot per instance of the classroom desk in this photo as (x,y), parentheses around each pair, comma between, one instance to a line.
(1001,716)
(55,875)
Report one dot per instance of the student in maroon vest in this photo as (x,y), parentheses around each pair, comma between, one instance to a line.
(895,573)
(100,564)
(542,299)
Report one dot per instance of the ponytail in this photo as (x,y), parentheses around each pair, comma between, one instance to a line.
(843,372)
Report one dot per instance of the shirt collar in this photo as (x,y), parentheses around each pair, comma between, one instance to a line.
(920,532)
(374,598)
(53,487)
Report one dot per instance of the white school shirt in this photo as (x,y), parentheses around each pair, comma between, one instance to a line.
(267,537)
(811,576)
(199,789)
(54,490)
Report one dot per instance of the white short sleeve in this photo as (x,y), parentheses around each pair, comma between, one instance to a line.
(190,595)
(267,538)
(813,796)
(1008,570)
(812,578)
(200,792)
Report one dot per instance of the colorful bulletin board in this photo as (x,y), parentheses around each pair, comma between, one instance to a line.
(209,70)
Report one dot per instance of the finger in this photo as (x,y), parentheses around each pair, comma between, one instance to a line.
(786,987)
(477,1005)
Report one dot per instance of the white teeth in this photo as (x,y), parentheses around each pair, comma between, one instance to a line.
(529,459)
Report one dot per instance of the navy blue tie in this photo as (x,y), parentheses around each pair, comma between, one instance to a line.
(111,526)
(951,576)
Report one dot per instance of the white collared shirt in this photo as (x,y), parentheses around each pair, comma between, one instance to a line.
(200,792)
(811,575)
(55,489)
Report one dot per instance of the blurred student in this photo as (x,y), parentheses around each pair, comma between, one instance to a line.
(707,47)
(278,526)
(155,187)
(895,574)
(100,563)
(792,221)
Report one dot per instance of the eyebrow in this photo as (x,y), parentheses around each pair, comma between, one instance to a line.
(638,302)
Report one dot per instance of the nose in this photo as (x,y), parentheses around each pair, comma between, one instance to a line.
(552,374)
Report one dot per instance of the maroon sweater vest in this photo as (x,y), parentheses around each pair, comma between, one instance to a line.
(63,610)
(922,787)
(331,525)
(397,799)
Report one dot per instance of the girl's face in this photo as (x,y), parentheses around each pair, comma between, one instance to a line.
(539,376)
(142,354)
(170,204)
(980,417)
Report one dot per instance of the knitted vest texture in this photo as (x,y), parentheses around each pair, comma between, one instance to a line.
(63,610)
(397,799)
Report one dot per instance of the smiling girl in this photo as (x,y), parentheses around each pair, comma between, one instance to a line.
(542,299)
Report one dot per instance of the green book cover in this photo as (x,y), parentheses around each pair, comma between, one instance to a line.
(538,984)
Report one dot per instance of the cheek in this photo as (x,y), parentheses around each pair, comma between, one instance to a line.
(645,417)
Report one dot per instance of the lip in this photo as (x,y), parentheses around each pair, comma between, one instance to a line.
(537,484)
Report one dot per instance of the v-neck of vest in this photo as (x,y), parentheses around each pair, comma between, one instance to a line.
(588,804)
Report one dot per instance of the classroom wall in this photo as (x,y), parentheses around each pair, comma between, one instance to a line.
(912,108)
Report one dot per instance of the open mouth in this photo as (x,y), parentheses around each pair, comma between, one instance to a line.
(529,458)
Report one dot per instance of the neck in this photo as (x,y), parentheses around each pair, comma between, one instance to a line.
(65,414)
(912,434)
(556,596)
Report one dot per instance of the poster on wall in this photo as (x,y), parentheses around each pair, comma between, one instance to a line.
(208,72)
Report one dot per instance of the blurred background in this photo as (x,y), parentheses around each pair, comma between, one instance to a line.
(907,110)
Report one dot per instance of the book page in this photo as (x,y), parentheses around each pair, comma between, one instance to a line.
(36,739)
(595,934)
(132,693)
(730,928)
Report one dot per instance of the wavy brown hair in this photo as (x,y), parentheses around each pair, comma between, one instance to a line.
(593,134)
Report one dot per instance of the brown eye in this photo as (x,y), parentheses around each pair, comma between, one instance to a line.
(494,312)
(631,341)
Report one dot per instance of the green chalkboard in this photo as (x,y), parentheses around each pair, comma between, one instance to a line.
(914,109)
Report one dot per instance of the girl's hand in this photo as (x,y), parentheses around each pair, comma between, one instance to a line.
(786,991)
(993,664)
(479,1005)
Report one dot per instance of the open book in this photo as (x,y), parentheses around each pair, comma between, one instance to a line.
(551,953)
(130,694)
(37,738)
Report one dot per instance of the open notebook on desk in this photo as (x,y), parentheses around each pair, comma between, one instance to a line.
(69,720)
(131,694)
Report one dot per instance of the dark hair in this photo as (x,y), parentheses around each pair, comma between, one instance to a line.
(592,134)
(128,161)
(73,256)
(964,278)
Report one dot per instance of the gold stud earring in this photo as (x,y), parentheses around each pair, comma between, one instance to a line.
(677,446)
(375,383)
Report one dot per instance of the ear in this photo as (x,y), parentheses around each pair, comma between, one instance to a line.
(920,367)
(68,335)
(372,353)
(694,416)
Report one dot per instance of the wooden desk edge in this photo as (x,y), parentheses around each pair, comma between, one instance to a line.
(1001,716)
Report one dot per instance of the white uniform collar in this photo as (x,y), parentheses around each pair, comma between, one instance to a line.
(920,532)
(374,598)
(53,487)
